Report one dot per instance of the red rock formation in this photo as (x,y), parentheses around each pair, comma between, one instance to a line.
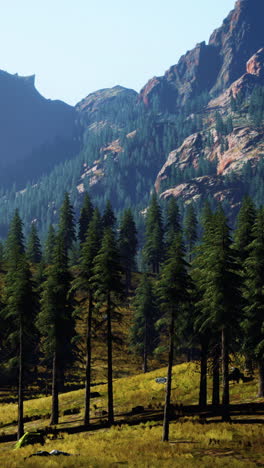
(244,144)
(215,66)
(203,187)
(255,65)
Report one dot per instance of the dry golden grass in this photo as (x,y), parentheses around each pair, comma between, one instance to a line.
(191,445)
(135,390)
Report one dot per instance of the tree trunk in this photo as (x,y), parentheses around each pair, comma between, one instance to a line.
(225,373)
(55,394)
(203,376)
(61,377)
(216,377)
(20,429)
(166,420)
(145,351)
(88,366)
(261,379)
(110,363)
(128,281)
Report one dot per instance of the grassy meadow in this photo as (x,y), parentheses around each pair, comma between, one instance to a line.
(191,444)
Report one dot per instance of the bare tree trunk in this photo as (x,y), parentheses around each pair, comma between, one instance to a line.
(110,363)
(216,377)
(166,420)
(55,394)
(203,376)
(88,366)
(225,373)
(145,351)
(20,429)
(261,379)
(128,281)
(61,377)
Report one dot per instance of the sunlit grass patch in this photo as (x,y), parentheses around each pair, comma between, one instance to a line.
(135,390)
(190,446)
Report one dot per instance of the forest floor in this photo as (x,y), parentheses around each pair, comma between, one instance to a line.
(197,438)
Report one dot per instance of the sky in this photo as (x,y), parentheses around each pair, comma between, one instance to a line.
(75,47)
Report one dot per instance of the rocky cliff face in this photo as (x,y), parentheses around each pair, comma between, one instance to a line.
(28,120)
(214,66)
(245,143)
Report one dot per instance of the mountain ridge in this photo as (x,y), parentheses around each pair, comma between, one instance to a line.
(122,141)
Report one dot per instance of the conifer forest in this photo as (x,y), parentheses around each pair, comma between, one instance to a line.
(132,248)
(201,286)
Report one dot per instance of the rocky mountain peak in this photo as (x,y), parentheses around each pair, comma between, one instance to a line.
(212,67)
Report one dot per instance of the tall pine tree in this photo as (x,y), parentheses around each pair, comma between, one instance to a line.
(108,288)
(55,321)
(33,249)
(144,336)
(20,308)
(153,251)
(127,242)
(173,294)
(66,227)
(85,217)
(89,249)
(253,291)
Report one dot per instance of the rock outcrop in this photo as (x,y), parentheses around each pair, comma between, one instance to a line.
(107,105)
(255,65)
(206,186)
(214,66)
(244,144)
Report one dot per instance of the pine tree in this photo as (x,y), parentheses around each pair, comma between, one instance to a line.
(89,249)
(15,240)
(190,230)
(173,225)
(243,233)
(108,219)
(85,217)
(49,245)
(107,288)
(127,245)
(55,321)
(144,336)
(253,291)
(20,308)
(66,223)
(153,251)
(173,294)
(243,237)
(201,312)
(220,301)
(33,249)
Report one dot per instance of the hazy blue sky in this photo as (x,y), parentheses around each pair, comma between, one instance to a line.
(78,46)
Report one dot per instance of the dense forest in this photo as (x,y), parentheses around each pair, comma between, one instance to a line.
(192,284)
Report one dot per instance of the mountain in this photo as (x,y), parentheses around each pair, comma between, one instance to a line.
(197,132)
(214,66)
(30,127)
